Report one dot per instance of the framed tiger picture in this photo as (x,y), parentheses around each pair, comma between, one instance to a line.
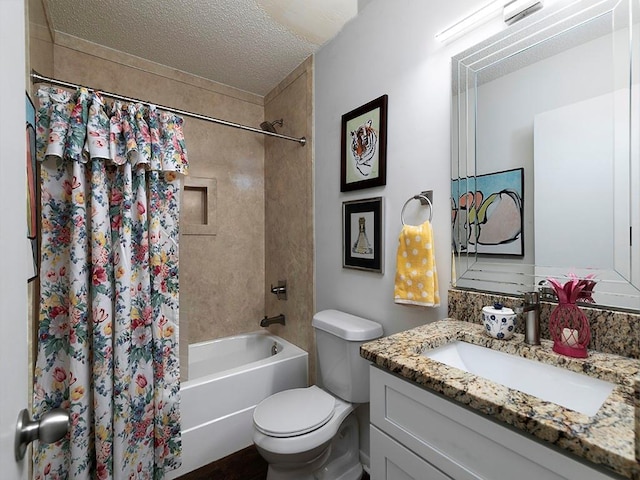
(364,146)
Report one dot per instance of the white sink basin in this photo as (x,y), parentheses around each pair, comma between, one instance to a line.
(554,384)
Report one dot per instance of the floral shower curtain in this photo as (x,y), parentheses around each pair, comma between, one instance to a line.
(108,321)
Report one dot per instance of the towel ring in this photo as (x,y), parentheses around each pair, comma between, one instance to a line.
(417,197)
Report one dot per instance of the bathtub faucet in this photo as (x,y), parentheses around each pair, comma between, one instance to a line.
(266,321)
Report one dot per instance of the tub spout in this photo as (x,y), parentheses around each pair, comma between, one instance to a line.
(266,321)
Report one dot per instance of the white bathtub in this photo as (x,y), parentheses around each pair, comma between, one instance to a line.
(228,377)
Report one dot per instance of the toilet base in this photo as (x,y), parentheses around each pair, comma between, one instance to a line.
(298,472)
(341,460)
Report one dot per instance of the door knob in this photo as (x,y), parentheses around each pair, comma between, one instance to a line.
(52,427)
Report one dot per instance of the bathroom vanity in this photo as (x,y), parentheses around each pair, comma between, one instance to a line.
(433,421)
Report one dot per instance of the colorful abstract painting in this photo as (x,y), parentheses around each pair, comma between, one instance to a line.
(32,195)
(487,213)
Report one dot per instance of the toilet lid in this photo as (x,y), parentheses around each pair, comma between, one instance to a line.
(294,412)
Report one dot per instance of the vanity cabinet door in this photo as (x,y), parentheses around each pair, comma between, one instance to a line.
(392,461)
(461,443)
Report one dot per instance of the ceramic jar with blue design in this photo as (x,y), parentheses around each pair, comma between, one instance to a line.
(499,322)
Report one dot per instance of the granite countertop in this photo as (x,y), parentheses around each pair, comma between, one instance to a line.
(607,438)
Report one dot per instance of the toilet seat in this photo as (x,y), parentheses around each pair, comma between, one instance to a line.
(294,412)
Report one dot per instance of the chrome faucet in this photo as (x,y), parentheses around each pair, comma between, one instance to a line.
(547,293)
(281,290)
(531,308)
(266,321)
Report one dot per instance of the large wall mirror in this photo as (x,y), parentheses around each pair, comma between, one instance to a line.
(545,153)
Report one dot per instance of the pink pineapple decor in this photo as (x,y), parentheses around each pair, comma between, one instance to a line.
(568,325)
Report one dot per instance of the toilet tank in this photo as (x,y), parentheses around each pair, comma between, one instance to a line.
(341,369)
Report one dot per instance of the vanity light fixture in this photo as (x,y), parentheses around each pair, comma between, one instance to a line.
(518,9)
(512,11)
(473,20)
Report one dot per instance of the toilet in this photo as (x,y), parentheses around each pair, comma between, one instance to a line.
(312,433)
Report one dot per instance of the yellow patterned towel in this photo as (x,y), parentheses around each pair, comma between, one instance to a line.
(416,274)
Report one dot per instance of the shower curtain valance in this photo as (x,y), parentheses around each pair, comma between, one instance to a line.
(80,129)
(37,78)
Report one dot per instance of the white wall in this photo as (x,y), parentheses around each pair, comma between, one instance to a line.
(13,242)
(388,49)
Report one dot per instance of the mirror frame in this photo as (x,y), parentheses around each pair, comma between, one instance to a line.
(516,275)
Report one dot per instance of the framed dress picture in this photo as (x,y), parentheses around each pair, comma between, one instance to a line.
(362,245)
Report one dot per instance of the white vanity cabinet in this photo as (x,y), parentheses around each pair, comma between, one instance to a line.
(418,434)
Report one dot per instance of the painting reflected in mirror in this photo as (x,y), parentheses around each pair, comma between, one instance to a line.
(490,212)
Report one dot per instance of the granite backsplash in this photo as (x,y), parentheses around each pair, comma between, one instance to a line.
(611,331)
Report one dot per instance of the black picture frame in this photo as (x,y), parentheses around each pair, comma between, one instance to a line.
(363,160)
(362,233)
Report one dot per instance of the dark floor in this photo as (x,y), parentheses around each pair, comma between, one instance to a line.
(246,464)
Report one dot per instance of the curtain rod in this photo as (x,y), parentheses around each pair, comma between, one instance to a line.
(37,78)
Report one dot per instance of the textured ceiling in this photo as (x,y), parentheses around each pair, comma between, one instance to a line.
(247,44)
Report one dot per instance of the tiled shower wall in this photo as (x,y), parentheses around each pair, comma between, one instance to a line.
(289,209)
(223,286)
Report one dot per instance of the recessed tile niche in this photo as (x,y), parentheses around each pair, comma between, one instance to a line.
(199,206)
